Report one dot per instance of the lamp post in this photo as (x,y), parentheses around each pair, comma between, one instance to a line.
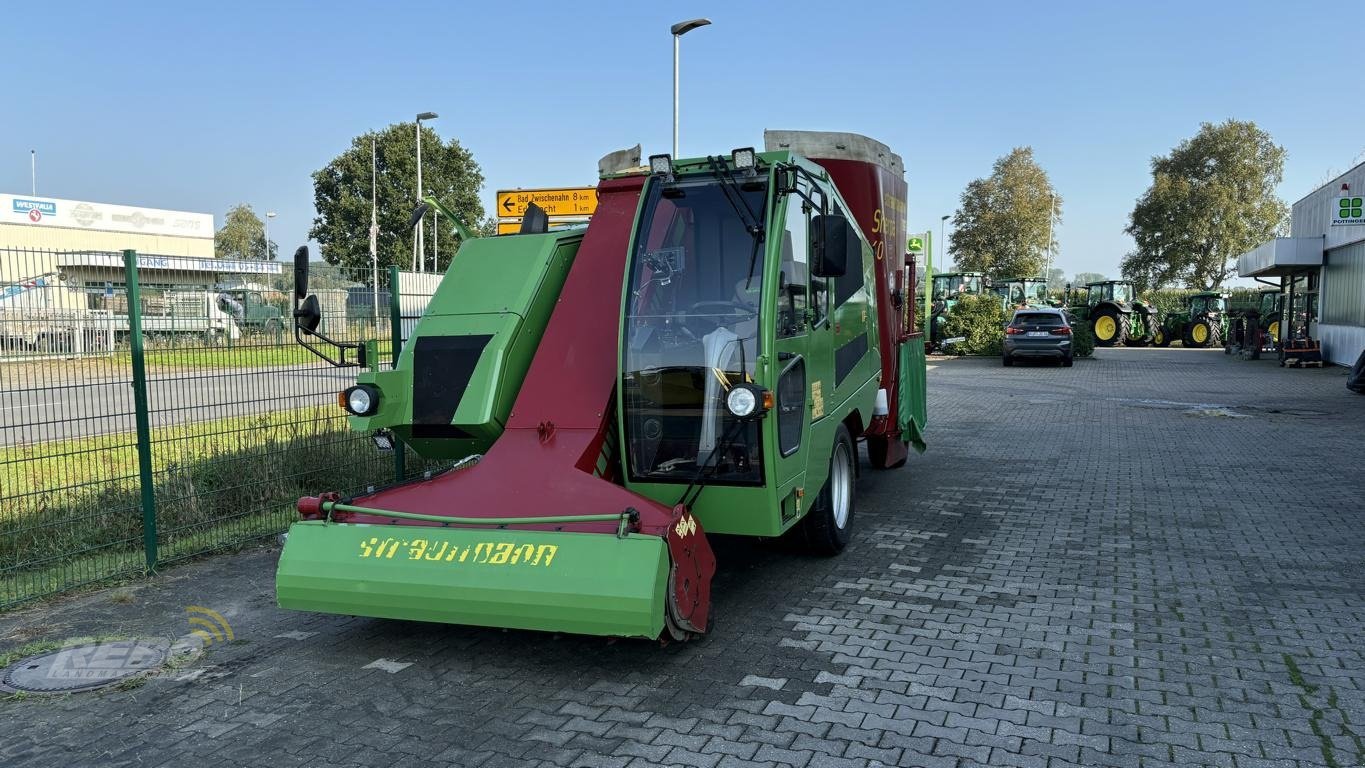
(678,30)
(421,251)
(943,230)
(268,216)
(1051,213)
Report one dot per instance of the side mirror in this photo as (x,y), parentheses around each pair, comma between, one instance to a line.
(301,272)
(309,315)
(838,242)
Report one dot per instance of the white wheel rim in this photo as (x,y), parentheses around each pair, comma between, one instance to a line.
(841,485)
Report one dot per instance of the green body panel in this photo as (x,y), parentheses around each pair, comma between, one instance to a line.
(913,389)
(585,583)
(504,287)
(772,508)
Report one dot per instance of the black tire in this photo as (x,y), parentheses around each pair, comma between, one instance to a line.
(1197,328)
(1101,319)
(1007,360)
(1068,361)
(274,330)
(1149,325)
(823,531)
(1160,338)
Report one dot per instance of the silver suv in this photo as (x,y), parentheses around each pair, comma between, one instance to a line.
(1039,333)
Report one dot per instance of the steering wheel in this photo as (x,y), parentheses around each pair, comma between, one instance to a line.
(700,311)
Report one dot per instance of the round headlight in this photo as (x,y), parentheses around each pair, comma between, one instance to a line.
(742,402)
(361,400)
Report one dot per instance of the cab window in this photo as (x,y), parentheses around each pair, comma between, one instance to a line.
(795,269)
(848,284)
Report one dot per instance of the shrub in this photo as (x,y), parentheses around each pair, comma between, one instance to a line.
(980,321)
(1082,338)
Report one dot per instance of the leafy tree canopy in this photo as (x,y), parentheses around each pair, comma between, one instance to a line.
(1212,198)
(242,237)
(341,195)
(1004,221)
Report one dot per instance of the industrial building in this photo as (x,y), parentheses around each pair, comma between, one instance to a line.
(62,280)
(1323,263)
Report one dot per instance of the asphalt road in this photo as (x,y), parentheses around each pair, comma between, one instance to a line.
(1155,558)
(31,414)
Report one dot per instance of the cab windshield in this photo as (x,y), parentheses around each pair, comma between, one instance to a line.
(950,286)
(692,330)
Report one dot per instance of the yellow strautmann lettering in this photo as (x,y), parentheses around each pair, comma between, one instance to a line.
(482,553)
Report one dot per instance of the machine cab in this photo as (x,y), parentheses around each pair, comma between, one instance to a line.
(1117,292)
(949,286)
(741,284)
(1207,304)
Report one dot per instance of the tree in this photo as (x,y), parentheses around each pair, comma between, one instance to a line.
(1004,223)
(242,237)
(1083,279)
(341,195)
(1211,198)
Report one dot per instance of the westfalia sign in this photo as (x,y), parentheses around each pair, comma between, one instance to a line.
(34,209)
(74,214)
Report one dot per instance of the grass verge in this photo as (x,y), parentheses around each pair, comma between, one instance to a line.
(71,510)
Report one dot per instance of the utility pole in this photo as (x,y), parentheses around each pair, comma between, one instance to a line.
(33,170)
(1051,213)
(374,231)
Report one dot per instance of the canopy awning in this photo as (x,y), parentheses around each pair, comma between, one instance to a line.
(1281,256)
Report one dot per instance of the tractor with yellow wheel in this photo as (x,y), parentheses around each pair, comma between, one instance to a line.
(1201,324)
(1255,327)
(1115,314)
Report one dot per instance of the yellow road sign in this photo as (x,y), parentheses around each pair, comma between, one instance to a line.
(513,226)
(564,201)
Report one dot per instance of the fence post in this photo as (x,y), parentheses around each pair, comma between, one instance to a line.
(400,451)
(144,428)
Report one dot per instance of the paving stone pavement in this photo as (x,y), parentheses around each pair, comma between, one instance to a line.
(1155,558)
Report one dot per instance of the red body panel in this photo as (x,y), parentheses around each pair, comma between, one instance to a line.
(542,465)
(877,201)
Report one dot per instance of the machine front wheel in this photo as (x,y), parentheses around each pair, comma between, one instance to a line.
(829,525)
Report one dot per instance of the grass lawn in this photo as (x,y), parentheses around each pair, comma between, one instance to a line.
(71,510)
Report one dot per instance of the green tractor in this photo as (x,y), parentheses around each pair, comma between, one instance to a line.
(1115,314)
(946,288)
(1022,292)
(1201,324)
(1255,328)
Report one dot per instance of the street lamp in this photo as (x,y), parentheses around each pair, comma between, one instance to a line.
(421,250)
(268,216)
(678,30)
(942,231)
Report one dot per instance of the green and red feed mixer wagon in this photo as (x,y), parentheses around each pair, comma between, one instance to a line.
(700,359)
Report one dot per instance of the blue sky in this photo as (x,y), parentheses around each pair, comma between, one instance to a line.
(179,106)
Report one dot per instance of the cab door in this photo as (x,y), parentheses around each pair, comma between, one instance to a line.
(792,363)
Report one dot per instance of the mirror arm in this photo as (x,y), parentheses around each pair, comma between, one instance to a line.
(340,361)
(454,219)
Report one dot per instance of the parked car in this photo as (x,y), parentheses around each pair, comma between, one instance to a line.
(1039,333)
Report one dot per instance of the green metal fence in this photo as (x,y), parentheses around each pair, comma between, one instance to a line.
(155,408)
